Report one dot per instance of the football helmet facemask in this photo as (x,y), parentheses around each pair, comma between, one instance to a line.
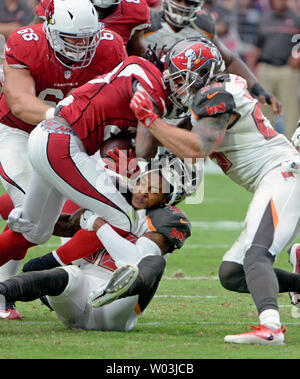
(76,20)
(182,178)
(105,3)
(180,15)
(189,65)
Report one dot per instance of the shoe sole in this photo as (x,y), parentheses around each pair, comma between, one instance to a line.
(294,296)
(120,282)
(253,341)
(4,314)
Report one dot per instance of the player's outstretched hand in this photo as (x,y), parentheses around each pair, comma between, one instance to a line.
(122,164)
(142,107)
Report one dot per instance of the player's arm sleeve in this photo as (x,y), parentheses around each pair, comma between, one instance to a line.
(172,223)
(212,102)
(123,251)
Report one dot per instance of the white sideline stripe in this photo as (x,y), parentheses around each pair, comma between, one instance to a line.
(203,246)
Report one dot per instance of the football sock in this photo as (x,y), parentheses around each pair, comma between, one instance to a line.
(288,281)
(13,246)
(151,269)
(29,286)
(45,262)
(82,244)
(261,279)
(6,206)
(270,318)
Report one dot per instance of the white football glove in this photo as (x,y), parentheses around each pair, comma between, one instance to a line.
(87,220)
(18,224)
(296,137)
(292,165)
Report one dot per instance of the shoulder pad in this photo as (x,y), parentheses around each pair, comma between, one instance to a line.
(212,101)
(155,19)
(171,222)
(205,23)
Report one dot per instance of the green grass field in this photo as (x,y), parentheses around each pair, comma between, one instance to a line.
(190,314)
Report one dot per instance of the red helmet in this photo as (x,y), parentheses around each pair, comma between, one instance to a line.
(195,61)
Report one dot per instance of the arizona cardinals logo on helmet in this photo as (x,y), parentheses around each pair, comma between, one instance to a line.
(50,12)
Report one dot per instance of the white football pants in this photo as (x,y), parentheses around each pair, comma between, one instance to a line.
(273,217)
(62,169)
(72,309)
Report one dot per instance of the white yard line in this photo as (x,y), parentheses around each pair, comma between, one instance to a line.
(218,225)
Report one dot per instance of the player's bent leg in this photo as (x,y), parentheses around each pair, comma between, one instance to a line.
(232,277)
(294,259)
(32,285)
(127,281)
(63,161)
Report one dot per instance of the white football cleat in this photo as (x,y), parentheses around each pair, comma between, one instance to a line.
(121,280)
(3,312)
(294,253)
(260,335)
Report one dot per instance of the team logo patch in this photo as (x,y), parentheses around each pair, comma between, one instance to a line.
(194,57)
(67,74)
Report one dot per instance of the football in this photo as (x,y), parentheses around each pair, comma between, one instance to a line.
(123,141)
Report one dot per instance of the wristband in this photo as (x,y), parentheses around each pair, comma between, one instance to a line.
(49,113)
(257,90)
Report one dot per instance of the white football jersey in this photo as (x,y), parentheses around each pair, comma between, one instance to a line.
(251,147)
(162,34)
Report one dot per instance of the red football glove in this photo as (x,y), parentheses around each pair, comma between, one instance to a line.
(125,165)
(142,108)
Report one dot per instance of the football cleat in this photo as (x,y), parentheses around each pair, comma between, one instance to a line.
(260,335)
(3,312)
(121,280)
(14,314)
(294,253)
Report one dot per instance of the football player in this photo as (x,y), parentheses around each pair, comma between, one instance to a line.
(126,17)
(180,19)
(63,149)
(44,63)
(126,270)
(227,125)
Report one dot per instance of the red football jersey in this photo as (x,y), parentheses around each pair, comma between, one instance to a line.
(101,106)
(28,48)
(41,8)
(130,16)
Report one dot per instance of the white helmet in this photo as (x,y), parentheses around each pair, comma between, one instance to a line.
(183,177)
(179,15)
(105,3)
(72,19)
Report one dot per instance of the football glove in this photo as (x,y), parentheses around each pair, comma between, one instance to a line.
(17,223)
(292,165)
(122,164)
(87,220)
(142,107)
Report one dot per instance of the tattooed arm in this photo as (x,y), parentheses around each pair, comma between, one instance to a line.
(200,142)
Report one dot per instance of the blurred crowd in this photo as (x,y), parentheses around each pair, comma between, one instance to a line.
(247,27)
